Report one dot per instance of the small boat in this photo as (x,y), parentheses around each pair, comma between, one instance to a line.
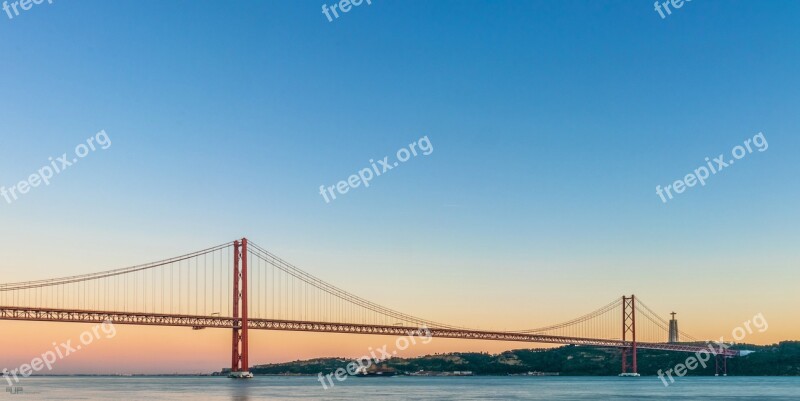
(240,375)
(375,372)
(629,375)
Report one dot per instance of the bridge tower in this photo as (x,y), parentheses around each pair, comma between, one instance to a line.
(240,369)
(629,326)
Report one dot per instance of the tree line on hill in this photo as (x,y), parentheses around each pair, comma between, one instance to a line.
(781,359)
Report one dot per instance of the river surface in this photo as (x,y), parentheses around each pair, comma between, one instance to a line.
(404,388)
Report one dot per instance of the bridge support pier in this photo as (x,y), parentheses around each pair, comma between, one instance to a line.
(629,326)
(721,365)
(240,369)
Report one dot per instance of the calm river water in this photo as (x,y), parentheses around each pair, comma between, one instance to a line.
(406,388)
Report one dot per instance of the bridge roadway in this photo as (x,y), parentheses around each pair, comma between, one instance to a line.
(223,322)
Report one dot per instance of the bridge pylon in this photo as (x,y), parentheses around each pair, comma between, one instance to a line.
(629,326)
(240,369)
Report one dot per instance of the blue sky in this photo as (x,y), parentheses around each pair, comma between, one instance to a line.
(551,122)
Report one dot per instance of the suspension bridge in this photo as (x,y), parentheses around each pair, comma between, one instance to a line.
(240,286)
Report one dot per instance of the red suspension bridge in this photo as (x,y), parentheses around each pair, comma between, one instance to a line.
(240,286)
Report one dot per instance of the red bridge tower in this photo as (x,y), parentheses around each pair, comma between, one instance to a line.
(629,326)
(240,369)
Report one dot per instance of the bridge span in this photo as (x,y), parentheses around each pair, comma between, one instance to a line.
(240,286)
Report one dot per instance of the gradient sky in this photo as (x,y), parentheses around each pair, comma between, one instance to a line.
(552,122)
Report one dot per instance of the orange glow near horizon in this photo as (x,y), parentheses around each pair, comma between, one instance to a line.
(493,304)
(165,350)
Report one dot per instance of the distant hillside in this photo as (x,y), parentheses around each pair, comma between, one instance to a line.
(773,360)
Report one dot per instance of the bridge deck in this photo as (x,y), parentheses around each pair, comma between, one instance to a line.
(223,322)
